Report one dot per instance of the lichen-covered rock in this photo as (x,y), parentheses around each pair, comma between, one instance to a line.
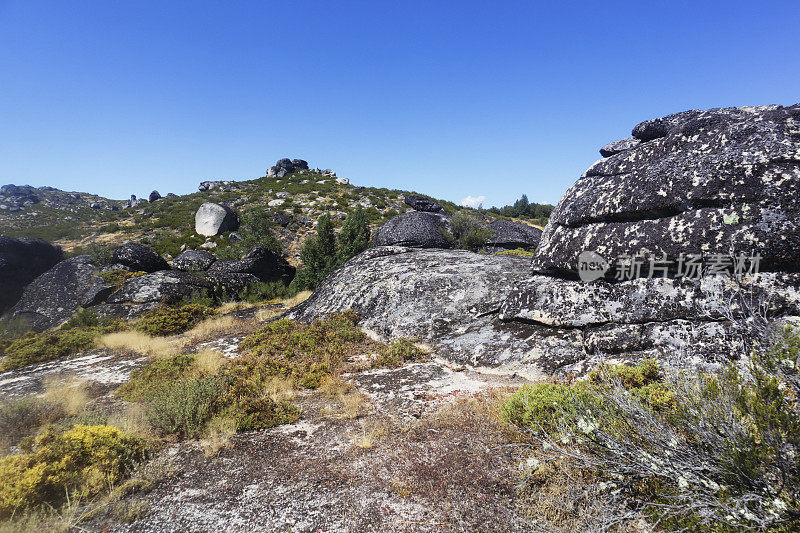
(53,297)
(710,182)
(512,235)
(21,261)
(138,257)
(193,260)
(616,147)
(420,203)
(260,262)
(415,228)
(447,298)
(212,219)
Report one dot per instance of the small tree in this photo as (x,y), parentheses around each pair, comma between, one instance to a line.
(468,231)
(325,252)
(255,229)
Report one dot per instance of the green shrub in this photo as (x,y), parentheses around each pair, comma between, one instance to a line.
(518,251)
(468,231)
(399,352)
(37,347)
(83,461)
(158,374)
(255,229)
(266,291)
(165,321)
(118,277)
(184,406)
(21,418)
(245,401)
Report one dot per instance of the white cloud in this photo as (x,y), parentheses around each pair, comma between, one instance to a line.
(472,201)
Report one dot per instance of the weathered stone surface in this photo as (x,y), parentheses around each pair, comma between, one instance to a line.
(155,195)
(563,303)
(54,296)
(415,228)
(260,262)
(168,286)
(444,297)
(212,219)
(193,260)
(139,257)
(420,203)
(711,182)
(21,261)
(616,147)
(512,235)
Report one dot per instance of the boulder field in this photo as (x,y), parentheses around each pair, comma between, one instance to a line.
(710,183)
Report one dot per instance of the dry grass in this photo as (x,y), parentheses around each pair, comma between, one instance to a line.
(208,362)
(217,435)
(268,313)
(213,328)
(346,404)
(369,434)
(297,299)
(136,341)
(132,420)
(70,396)
(279,389)
(230,307)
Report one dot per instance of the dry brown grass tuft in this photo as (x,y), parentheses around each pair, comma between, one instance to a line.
(70,396)
(212,328)
(346,402)
(279,389)
(138,342)
(268,313)
(217,435)
(369,433)
(297,299)
(208,362)
(132,420)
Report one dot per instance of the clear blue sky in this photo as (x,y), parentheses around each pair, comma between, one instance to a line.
(446,98)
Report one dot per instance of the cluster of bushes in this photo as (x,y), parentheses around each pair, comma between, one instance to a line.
(74,336)
(522,208)
(78,463)
(183,394)
(468,231)
(690,451)
(117,277)
(327,251)
(165,321)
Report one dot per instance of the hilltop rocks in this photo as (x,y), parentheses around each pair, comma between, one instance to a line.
(21,261)
(420,203)
(285,166)
(193,260)
(54,296)
(17,197)
(212,219)
(701,182)
(138,257)
(212,185)
(417,229)
(155,195)
(260,262)
(513,235)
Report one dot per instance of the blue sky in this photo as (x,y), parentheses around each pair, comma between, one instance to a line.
(452,99)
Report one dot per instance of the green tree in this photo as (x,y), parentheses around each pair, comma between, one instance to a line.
(255,229)
(468,231)
(354,236)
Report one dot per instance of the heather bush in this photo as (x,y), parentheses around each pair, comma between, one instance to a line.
(165,321)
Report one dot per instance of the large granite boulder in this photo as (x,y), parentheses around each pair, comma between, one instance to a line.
(415,228)
(212,219)
(152,290)
(713,182)
(261,263)
(21,261)
(447,298)
(193,260)
(420,203)
(138,257)
(513,235)
(53,297)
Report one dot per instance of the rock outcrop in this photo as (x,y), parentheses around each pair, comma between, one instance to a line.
(53,297)
(152,290)
(711,182)
(512,235)
(414,228)
(212,219)
(193,260)
(285,166)
(138,257)
(260,262)
(21,261)
(420,203)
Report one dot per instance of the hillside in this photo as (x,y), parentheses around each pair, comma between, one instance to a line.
(75,220)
